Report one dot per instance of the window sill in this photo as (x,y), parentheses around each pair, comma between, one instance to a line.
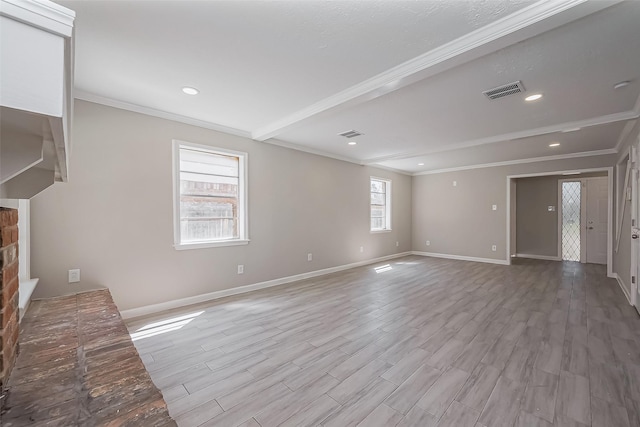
(380,231)
(203,245)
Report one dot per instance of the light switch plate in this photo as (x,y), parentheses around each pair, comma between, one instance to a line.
(551,208)
(494,207)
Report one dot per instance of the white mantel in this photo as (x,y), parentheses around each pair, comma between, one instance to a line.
(36,100)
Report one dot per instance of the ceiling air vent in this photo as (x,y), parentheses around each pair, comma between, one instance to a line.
(350,134)
(504,90)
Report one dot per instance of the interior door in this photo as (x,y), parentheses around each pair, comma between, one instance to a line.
(596,220)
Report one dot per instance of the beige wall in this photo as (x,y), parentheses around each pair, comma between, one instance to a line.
(113,219)
(459,220)
(536,226)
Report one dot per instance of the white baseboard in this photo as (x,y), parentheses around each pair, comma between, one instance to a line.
(25,290)
(623,287)
(461,257)
(542,257)
(182,302)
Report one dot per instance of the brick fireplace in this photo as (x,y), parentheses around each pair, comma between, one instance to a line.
(9,316)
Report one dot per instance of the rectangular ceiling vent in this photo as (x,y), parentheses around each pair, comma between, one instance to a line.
(350,134)
(504,90)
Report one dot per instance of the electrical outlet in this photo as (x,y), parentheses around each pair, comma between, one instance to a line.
(240,269)
(397,244)
(494,207)
(551,208)
(74,275)
(494,248)
(455,183)
(361,249)
(309,257)
(428,242)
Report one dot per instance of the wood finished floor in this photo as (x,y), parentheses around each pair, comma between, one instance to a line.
(429,342)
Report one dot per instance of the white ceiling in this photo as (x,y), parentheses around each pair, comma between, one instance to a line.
(408,75)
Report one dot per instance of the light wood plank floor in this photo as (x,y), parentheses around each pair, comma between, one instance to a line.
(423,342)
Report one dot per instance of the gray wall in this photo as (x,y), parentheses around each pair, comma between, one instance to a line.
(113,219)
(459,220)
(536,227)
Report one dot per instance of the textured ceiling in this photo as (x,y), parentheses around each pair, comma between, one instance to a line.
(258,64)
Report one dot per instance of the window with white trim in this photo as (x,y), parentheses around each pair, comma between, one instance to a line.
(380,205)
(210,206)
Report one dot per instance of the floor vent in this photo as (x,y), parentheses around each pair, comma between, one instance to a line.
(350,134)
(504,90)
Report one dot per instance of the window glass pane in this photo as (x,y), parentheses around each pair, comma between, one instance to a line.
(377,199)
(209,191)
(377,186)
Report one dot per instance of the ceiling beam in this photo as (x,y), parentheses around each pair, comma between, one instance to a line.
(528,22)
(595,121)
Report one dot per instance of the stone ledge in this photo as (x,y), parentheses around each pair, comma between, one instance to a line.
(78,367)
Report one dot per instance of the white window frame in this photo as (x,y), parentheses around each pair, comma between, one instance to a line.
(243,216)
(387,205)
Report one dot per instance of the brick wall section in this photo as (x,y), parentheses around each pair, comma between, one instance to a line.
(9,316)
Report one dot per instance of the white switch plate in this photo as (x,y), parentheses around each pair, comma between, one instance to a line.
(397,244)
(428,242)
(494,248)
(455,183)
(74,275)
(494,207)
(240,269)
(309,257)
(361,249)
(551,208)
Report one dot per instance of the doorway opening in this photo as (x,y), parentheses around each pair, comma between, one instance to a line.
(571,202)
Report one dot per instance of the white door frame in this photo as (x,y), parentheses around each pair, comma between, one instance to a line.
(609,171)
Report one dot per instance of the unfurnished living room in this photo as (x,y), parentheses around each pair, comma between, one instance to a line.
(320,213)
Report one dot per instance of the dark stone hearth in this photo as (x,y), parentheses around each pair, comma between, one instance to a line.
(78,367)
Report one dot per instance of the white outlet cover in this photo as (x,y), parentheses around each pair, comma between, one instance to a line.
(361,248)
(551,208)
(74,276)
(240,269)
(428,242)
(309,257)
(494,207)
(494,248)
(397,244)
(455,183)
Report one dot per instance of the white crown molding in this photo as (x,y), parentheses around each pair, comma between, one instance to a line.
(498,34)
(310,150)
(624,134)
(97,99)
(183,302)
(43,14)
(461,257)
(594,121)
(521,161)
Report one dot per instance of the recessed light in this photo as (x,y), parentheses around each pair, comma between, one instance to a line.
(190,90)
(621,84)
(420,164)
(554,144)
(534,97)
(352,143)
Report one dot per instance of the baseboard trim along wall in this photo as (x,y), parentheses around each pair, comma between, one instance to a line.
(461,257)
(623,287)
(542,257)
(183,302)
